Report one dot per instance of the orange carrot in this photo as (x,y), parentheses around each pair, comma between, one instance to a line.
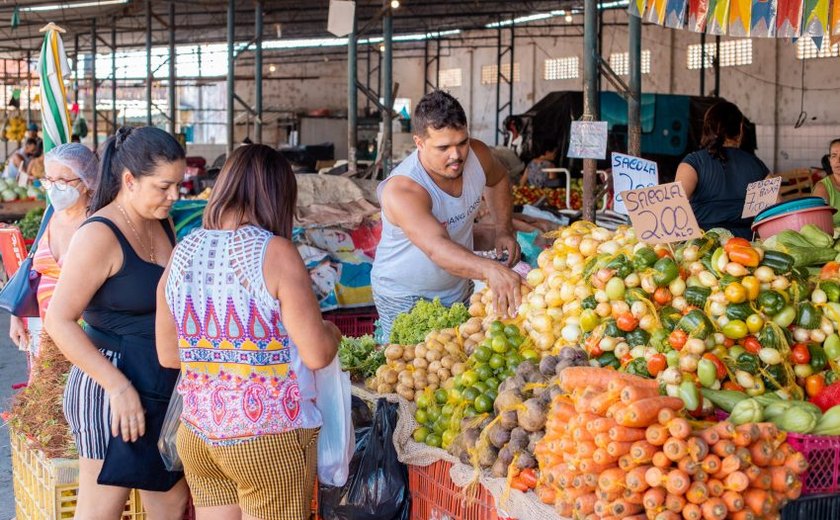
(725,429)
(602,440)
(656,434)
(611,480)
(617,449)
(677,482)
(642,452)
(660,460)
(714,509)
(758,501)
(737,481)
(589,466)
(675,449)
(762,480)
(622,508)
(782,478)
(614,410)
(602,457)
(675,503)
(701,476)
(697,493)
(688,465)
(724,448)
(733,500)
(626,434)
(635,479)
(654,477)
(602,402)
(546,494)
(654,498)
(645,412)
(795,491)
(729,464)
(746,434)
(692,512)
(697,449)
(631,394)
(767,431)
(665,416)
(580,434)
(601,509)
(679,428)
(778,458)
(602,424)
(626,463)
(591,480)
(640,516)
(797,463)
(634,497)
(581,377)
(744,514)
(563,508)
(586,449)
(585,504)
(761,452)
(667,515)
(710,435)
(716,488)
(744,455)
(710,464)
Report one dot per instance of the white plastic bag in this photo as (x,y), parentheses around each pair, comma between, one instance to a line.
(336,441)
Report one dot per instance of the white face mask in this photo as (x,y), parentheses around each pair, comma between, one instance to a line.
(63,199)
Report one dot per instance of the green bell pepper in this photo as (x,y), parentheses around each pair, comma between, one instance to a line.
(665,271)
(831,290)
(644,258)
(808,316)
(818,358)
(608,359)
(771,302)
(638,367)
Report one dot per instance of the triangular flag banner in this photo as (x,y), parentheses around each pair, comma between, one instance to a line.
(697,10)
(763,18)
(816,17)
(656,13)
(718,17)
(637,8)
(817,41)
(739,17)
(835,20)
(789,19)
(675,13)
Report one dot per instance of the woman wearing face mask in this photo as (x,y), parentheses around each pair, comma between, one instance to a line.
(70,179)
(117,393)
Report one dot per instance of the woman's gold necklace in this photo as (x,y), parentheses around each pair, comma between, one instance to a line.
(151,248)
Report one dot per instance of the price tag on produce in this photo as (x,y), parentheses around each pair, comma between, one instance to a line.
(661,214)
(631,173)
(588,140)
(760,195)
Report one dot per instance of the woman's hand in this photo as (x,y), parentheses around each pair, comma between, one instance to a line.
(127,416)
(18,332)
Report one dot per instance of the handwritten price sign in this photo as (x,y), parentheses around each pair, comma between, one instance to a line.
(760,195)
(631,173)
(588,140)
(661,214)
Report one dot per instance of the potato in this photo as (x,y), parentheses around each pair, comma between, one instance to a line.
(477,338)
(420,362)
(405,378)
(434,345)
(420,373)
(394,352)
(434,366)
(446,362)
(470,327)
(469,345)
(434,354)
(398,365)
(420,350)
(391,376)
(476,309)
(431,387)
(458,369)
(408,353)
(452,348)
(381,370)
(405,392)
(384,388)
(433,379)
(444,374)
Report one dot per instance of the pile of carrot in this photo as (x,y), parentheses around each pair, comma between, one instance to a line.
(614,448)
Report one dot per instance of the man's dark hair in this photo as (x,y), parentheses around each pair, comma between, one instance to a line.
(438,110)
(30,141)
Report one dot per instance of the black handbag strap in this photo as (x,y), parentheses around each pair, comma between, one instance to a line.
(45,221)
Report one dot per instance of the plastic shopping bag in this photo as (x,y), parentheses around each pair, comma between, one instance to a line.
(336,442)
(171,422)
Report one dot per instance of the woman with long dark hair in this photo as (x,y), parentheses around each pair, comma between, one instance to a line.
(117,393)
(237,314)
(829,187)
(715,178)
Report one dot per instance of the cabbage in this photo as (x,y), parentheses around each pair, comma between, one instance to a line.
(8,195)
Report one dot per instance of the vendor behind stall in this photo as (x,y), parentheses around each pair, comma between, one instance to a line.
(829,188)
(429,204)
(715,178)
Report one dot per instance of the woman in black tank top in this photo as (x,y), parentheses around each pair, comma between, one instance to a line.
(117,392)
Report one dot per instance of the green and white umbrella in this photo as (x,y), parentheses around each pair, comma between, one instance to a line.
(52,67)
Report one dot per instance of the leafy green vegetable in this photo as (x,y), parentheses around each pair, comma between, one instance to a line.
(360,357)
(412,327)
(30,223)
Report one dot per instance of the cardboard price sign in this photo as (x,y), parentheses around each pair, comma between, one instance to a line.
(760,195)
(661,214)
(631,173)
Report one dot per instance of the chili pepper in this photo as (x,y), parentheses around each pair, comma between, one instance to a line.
(746,256)
(818,358)
(665,271)
(752,344)
(736,242)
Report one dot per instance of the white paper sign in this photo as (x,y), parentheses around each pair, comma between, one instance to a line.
(631,173)
(341,16)
(761,195)
(588,140)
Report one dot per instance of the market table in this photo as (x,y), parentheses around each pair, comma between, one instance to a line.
(16,209)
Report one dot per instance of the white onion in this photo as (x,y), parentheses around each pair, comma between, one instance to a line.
(764,274)
(571,333)
(819,296)
(800,334)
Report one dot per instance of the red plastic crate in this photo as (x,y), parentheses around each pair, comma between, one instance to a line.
(823,454)
(435,497)
(355,322)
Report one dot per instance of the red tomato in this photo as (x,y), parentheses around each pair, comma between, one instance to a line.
(656,364)
(728,342)
(677,339)
(814,384)
(662,295)
(626,322)
(752,345)
(719,366)
(732,385)
(799,354)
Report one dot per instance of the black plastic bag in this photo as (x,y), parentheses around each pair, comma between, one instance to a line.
(378,485)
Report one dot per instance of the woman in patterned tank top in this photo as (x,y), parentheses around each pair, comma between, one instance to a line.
(237,315)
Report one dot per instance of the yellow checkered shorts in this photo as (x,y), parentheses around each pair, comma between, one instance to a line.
(270,477)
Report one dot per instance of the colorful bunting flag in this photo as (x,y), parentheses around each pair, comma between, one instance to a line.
(835,22)
(739,17)
(763,18)
(718,17)
(816,18)
(656,13)
(675,13)
(697,11)
(637,8)
(789,19)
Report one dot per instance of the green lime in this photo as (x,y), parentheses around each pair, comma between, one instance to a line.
(456,394)
(469,378)
(441,395)
(433,415)
(484,371)
(470,394)
(492,383)
(457,380)
(433,439)
(511,331)
(492,394)
(420,434)
(421,417)
(513,359)
(496,361)
(516,341)
(497,327)
(481,386)
(422,400)
(500,344)
(447,438)
(530,355)
(447,410)
(483,404)
(440,425)
(482,353)
(470,412)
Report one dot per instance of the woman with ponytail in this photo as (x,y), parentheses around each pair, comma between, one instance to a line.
(117,392)
(715,178)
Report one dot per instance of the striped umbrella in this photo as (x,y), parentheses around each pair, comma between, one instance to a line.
(52,67)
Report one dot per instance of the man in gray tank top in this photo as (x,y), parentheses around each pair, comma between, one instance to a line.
(429,204)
